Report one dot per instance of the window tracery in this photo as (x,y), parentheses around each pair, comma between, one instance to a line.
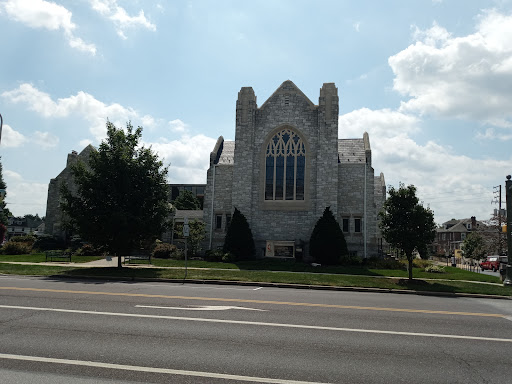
(285,165)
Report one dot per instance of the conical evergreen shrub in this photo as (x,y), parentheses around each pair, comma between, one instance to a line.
(239,241)
(327,244)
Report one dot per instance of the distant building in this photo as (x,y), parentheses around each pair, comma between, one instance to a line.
(453,233)
(196,189)
(21,226)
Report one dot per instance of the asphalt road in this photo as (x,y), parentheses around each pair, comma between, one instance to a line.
(62,331)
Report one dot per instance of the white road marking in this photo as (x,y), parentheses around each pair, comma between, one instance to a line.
(256,289)
(203,308)
(98,364)
(257,323)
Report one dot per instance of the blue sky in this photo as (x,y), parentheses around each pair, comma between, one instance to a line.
(430,81)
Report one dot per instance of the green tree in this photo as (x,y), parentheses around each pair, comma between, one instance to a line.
(474,246)
(493,235)
(187,201)
(120,202)
(239,240)
(405,223)
(196,234)
(4,211)
(327,244)
(33,220)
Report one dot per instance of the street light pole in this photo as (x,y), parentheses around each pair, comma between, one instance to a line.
(508,189)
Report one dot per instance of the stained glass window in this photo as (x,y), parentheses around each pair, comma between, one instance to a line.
(285,166)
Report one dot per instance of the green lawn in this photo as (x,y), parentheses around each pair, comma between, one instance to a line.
(258,271)
(299,278)
(40,258)
(451,273)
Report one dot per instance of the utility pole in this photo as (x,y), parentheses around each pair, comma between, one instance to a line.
(1,123)
(497,191)
(508,194)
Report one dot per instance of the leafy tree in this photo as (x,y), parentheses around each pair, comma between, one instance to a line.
(405,223)
(4,212)
(474,246)
(121,195)
(3,231)
(187,201)
(494,238)
(327,244)
(239,240)
(196,234)
(33,220)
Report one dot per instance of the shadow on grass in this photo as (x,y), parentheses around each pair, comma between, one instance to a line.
(298,266)
(426,286)
(115,272)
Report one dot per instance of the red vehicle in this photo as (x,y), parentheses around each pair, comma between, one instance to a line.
(493,262)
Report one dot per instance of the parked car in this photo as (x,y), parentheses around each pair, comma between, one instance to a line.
(493,262)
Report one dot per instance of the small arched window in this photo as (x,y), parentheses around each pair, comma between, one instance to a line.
(285,166)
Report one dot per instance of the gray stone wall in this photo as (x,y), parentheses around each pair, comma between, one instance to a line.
(244,158)
(318,127)
(327,183)
(54,215)
(351,206)
(222,203)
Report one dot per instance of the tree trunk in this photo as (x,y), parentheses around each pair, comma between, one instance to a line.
(119,262)
(409,258)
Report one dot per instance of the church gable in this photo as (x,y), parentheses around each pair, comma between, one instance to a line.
(288,95)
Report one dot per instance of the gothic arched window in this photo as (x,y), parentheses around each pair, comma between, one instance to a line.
(285,166)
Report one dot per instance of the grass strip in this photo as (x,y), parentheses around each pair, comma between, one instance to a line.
(40,258)
(263,276)
(451,273)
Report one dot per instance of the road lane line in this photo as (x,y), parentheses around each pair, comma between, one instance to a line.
(203,308)
(97,364)
(258,323)
(427,311)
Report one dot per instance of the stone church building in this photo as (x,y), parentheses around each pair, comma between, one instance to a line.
(285,167)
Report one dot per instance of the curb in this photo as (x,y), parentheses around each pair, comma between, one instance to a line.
(285,285)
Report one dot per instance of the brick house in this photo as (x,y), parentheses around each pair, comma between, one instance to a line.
(453,233)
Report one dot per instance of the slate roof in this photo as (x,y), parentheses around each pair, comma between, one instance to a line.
(459,227)
(227,155)
(351,151)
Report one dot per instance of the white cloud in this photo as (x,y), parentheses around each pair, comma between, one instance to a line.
(402,159)
(382,123)
(45,140)
(42,14)
(25,197)
(177,126)
(81,104)
(14,139)
(84,143)
(464,77)
(357,26)
(11,138)
(492,134)
(119,16)
(189,157)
